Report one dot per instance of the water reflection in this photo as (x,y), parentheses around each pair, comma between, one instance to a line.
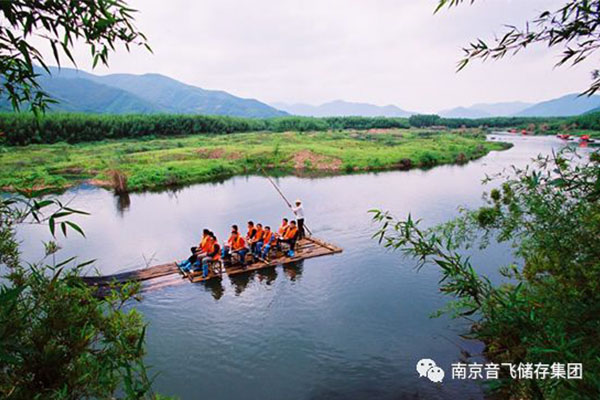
(308,332)
(122,202)
(294,270)
(267,275)
(240,282)
(215,287)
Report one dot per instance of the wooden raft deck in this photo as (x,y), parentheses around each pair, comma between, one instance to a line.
(309,247)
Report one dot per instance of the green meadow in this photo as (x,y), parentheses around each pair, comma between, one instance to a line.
(154,163)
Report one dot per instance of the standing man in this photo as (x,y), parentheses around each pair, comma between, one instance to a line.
(299,213)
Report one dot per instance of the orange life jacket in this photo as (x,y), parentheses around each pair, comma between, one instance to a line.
(251,233)
(291,232)
(203,244)
(283,229)
(230,240)
(238,243)
(259,234)
(215,247)
(208,244)
(267,236)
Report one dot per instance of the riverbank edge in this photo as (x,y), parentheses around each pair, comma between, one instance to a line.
(273,172)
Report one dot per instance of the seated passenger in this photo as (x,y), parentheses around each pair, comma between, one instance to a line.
(226,251)
(290,237)
(197,252)
(265,245)
(283,228)
(235,245)
(234,228)
(214,254)
(256,241)
(251,232)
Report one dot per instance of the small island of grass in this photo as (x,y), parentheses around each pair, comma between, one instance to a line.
(153,163)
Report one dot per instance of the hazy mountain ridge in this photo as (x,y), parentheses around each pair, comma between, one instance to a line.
(564,106)
(568,105)
(464,112)
(79,91)
(341,108)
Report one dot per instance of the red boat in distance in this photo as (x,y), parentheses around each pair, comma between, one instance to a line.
(563,136)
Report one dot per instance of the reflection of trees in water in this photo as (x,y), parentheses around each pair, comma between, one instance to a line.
(215,286)
(123,202)
(294,270)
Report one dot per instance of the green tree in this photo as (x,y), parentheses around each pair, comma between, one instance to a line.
(58,339)
(574,27)
(99,24)
(424,120)
(549,311)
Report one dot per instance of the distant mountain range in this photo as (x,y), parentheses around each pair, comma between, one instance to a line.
(340,108)
(565,106)
(78,91)
(484,110)
(571,104)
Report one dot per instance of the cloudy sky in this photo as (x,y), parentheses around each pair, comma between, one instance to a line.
(313,51)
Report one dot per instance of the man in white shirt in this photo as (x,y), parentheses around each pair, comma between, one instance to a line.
(299,213)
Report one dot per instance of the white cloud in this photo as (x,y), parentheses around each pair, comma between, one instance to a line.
(378,51)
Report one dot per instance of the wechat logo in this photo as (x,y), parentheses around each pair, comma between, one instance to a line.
(428,368)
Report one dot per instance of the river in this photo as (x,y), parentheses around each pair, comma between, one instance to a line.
(349,326)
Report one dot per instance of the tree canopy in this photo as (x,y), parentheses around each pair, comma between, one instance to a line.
(99,24)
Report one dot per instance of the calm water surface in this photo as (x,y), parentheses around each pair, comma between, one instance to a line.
(349,326)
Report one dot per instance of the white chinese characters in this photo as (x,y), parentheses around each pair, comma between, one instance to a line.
(538,371)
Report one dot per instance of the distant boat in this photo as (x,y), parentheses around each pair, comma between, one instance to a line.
(524,132)
(563,136)
(588,140)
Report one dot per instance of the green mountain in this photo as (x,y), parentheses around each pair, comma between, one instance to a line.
(82,95)
(79,91)
(571,104)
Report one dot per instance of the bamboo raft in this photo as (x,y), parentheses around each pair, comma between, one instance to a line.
(308,247)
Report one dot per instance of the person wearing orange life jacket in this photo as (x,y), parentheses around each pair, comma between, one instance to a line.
(227,247)
(234,228)
(197,252)
(235,245)
(290,237)
(251,232)
(283,228)
(256,239)
(280,234)
(264,246)
(206,247)
(213,254)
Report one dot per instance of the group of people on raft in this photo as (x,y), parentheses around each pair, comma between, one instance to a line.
(258,242)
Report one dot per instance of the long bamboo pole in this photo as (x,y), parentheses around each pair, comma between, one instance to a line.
(281,194)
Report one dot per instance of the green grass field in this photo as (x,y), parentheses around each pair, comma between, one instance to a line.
(156,163)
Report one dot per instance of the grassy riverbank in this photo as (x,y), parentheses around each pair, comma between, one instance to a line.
(155,163)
